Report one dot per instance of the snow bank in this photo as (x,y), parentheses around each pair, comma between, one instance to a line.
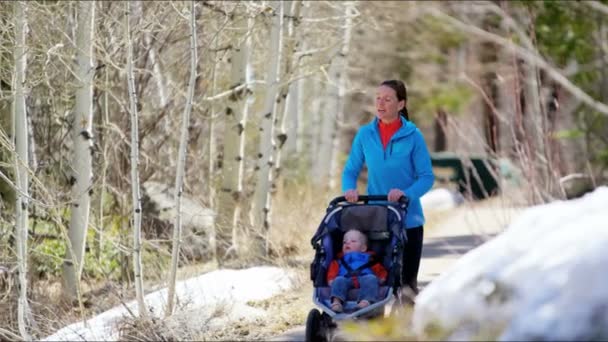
(441,199)
(544,278)
(204,292)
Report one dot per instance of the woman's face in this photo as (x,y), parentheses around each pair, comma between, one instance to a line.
(387,104)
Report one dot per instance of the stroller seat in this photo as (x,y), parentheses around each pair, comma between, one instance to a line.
(382,224)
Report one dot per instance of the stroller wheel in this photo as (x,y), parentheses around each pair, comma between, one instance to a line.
(315,329)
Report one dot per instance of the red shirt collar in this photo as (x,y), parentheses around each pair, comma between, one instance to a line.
(387,130)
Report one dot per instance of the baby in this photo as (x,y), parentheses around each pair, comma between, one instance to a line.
(354,268)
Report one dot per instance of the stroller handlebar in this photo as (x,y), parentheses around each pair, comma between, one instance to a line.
(403,200)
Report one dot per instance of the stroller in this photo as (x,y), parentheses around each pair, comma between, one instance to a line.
(381,221)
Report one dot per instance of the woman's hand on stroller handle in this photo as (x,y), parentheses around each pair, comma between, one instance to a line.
(352,196)
(394,195)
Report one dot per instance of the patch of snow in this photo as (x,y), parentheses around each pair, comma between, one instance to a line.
(199,295)
(441,199)
(543,278)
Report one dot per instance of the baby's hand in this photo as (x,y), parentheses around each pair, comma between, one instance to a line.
(330,282)
(382,281)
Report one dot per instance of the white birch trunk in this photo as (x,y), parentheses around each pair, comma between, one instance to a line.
(21,167)
(324,173)
(260,208)
(156,70)
(288,65)
(31,144)
(229,197)
(181,163)
(81,158)
(212,146)
(104,167)
(135,186)
(316,130)
(327,130)
(305,117)
(507,104)
(293,118)
(341,79)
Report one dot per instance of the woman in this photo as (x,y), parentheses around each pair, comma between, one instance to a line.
(398,164)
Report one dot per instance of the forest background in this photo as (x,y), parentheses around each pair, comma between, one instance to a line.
(143,140)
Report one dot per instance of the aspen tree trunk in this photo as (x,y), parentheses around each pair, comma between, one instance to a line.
(489,59)
(152,54)
(212,147)
(292,119)
(229,197)
(81,159)
(260,208)
(21,167)
(288,68)
(328,144)
(533,118)
(103,143)
(181,163)
(316,130)
(326,130)
(306,104)
(508,105)
(342,81)
(303,122)
(31,144)
(135,186)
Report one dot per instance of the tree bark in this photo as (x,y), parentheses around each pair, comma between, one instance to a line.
(81,158)
(135,186)
(229,197)
(261,199)
(21,165)
(317,123)
(181,163)
(489,60)
(341,79)
(282,109)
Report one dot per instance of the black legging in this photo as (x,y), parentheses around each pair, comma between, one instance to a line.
(411,257)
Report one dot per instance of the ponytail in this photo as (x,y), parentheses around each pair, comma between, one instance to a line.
(405,113)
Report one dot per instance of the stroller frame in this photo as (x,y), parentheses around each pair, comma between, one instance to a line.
(320,325)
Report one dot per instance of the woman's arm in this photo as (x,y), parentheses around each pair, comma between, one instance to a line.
(422,168)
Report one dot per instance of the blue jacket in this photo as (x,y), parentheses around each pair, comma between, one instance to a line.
(405,164)
(355,260)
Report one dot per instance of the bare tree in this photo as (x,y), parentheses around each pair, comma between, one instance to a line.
(82,136)
(135,186)
(21,167)
(181,163)
(261,207)
(229,197)
(288,66)
(333,105)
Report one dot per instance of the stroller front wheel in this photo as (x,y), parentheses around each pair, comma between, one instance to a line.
(316,327)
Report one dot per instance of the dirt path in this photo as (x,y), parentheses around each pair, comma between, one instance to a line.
(448,236)
(459,232)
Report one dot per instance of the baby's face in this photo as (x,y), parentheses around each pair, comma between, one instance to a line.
(353,243)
